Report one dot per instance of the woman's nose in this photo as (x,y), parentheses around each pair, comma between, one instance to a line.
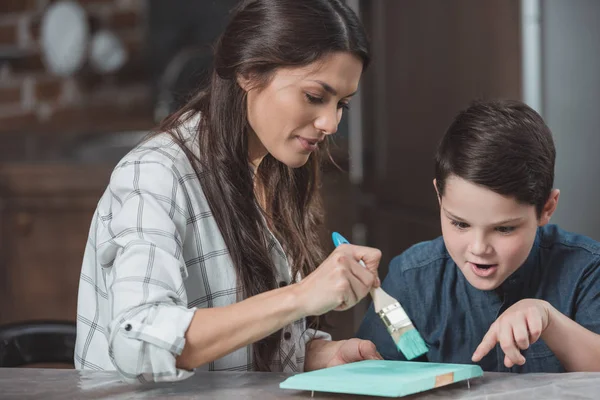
(328,121)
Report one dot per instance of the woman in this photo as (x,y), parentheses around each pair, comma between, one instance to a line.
(203,252)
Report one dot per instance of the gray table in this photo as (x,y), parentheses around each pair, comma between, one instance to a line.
(71,384)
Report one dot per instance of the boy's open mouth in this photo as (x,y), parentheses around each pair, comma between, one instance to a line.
(483,270)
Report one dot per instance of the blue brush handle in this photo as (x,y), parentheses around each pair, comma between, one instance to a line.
(339,239)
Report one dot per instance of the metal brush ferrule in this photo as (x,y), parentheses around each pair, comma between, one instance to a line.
(394,317)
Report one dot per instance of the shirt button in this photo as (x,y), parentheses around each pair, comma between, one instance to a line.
(282,284)
(128,327)
(287,336)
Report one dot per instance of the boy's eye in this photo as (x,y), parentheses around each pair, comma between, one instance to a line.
(505,229)
(459,224)
(313,99)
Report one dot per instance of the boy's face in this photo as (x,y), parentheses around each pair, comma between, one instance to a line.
(488,235)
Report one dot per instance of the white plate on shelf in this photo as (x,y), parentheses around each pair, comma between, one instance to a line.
(107,52)
(64,36)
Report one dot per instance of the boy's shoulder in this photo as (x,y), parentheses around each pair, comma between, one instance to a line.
(431,253)
(553,237)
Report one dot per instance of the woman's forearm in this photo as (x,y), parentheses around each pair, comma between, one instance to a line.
(215,332)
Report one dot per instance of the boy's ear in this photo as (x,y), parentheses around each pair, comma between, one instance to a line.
(549,207)
(437,193)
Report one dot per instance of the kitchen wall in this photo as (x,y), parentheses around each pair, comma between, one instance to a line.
(47,193)
(571,98)
(32,100)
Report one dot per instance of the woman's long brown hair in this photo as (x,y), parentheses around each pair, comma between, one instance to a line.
(263,35)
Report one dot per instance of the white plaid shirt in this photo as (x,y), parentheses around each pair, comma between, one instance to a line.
(154,254)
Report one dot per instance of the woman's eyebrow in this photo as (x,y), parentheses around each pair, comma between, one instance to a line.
(329,89)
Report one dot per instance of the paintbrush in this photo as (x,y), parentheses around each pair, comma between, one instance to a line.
(403,332)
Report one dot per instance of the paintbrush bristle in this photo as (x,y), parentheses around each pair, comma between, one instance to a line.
(411,344)
(406,337)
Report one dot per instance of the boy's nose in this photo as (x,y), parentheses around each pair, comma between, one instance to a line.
(479,246)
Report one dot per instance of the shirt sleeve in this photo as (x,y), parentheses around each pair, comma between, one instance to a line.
(140,250)
(588,298)
(372,328)
(314,334)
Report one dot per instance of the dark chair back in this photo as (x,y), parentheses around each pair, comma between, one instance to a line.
(37,342)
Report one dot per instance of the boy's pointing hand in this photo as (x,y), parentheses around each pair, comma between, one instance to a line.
(516,329)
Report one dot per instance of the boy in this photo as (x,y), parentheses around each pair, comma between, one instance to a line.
(501,287)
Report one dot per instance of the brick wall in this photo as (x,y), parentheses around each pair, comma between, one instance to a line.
(33,100)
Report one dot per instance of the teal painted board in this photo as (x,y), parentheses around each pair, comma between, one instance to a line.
(382,378)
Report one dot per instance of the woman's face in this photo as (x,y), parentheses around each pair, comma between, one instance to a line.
(299,107)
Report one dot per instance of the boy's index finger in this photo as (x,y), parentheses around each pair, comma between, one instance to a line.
(487,344)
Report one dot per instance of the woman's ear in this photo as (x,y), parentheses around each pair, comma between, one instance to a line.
(244,82)
(549,207)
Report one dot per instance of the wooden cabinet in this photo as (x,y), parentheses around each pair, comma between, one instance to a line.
(431,59)
(45,215)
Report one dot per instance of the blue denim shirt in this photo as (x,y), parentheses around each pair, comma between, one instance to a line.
(452,316)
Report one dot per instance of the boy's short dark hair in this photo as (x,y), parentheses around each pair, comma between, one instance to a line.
(502,145)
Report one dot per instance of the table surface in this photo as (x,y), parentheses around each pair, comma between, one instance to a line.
(23,383)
